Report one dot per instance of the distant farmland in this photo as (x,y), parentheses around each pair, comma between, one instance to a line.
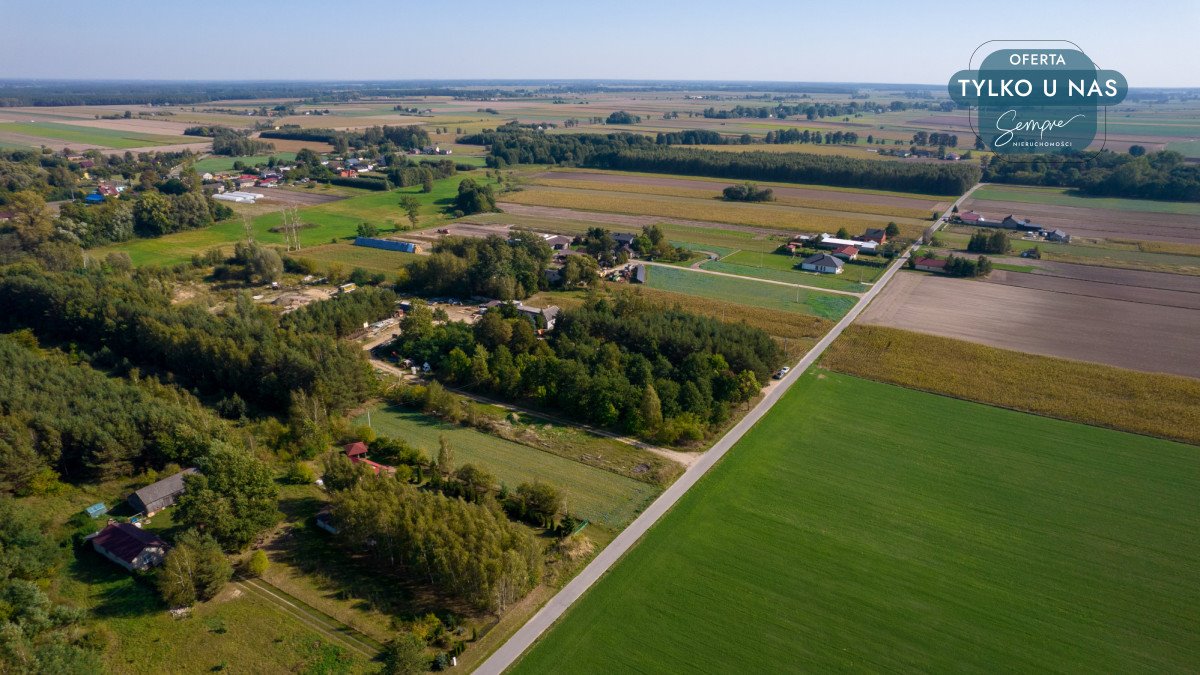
(935,535)
(108,138)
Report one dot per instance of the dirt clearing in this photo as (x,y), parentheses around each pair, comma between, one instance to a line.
(1124,326)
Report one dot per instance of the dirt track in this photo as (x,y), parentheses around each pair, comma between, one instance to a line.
(1126,326)
(1096,222)
(717,186)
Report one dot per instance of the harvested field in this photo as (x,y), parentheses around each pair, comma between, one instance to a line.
(805,197)
(1123,326)
(1167,406)
(1153,288)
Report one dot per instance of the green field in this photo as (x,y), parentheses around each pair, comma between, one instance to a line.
(1063,197)
(865,527)
(1188,148)
(597,495)
(749,292)
(333,221)
(109,138)
(220,163)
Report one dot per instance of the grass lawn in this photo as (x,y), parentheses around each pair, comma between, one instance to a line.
(234,630)
(936,536)
(220,163)
(597,495)
(749,292)
(1063,197)
(109,138)
(350,256)
(332,221)
(779,267)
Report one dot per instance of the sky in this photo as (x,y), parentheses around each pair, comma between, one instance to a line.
(1153,43)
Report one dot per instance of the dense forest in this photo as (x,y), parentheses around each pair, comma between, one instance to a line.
(1157,175)
(63,415)
(617,362)
(388,138)
(241,350)
(639,153)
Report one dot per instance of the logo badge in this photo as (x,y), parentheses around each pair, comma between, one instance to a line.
(1037,100)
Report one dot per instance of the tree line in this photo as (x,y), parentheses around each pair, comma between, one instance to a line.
(1158,175)
(637,153)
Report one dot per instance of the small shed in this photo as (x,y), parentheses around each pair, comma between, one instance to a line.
(639,274)
(355,449)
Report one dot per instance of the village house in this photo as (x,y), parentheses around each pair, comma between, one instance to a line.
(845,252)
(158,496)
(1014,224)
(875,234)
(550,314)
(823,263)
(830,242)
(558,242)
(129,546)
(1059,236)
(929,264)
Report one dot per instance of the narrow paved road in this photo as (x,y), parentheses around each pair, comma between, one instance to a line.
(510,651)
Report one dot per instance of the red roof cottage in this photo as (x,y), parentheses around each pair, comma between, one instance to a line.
(129,546)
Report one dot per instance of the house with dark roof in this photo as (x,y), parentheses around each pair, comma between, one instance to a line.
(1014,224)
(823,263)
(158,496)
(929,264)
(875,234)
(129,546)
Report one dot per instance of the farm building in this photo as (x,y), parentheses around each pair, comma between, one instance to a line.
(823,263)
(845,252)
(1058,235)
(558,242)
(868,247)
(639,274)
(387,244)
(158,496)
(972,218)
(129,546)
(929,264)
(375,467)
(875,234)
(1014,224)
